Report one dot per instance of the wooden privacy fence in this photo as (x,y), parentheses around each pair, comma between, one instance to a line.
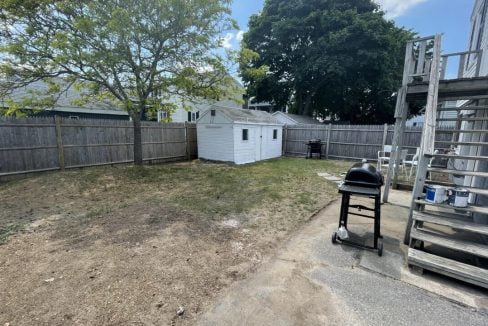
(350,141)
(43,144)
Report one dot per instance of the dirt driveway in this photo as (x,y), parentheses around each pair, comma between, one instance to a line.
(118,245)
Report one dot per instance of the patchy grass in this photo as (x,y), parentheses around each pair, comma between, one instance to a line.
(214,190)
(158,236)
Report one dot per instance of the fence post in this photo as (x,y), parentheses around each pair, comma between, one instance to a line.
(329,127)
(385,136)
(59,141)
(285,135)
(187,142)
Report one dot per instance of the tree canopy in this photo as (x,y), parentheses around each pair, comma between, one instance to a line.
(338,58)
(140,55)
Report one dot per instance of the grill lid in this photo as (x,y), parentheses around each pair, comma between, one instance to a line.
(364,175)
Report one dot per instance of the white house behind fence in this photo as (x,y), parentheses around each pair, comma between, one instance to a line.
(238,136)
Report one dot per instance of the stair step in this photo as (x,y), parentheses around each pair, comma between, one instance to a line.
(463,157)
(454,223)
(463,108)
(467,143)
(470,208)
(463,119)
(459,172)
(453,244)
(462,131)
(478,191)
(464,272)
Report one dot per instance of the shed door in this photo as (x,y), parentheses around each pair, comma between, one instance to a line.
(258,132)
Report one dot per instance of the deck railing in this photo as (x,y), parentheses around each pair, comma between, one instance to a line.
(421,56)
(469,61)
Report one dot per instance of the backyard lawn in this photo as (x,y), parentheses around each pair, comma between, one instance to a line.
(122,245)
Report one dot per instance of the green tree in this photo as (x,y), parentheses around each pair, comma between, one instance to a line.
(140,55)
(337,58)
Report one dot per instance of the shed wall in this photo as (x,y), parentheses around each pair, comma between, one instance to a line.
(259,146)
(245,150)
(215,142)
(272,148)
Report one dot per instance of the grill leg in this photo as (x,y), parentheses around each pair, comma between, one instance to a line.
(344,209)
(344,204)
(377,216)
(346,215)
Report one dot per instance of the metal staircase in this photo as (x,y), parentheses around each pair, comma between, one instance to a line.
(445,239)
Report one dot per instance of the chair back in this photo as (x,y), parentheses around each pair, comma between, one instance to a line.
(415,158)
(387,148)
(403,155)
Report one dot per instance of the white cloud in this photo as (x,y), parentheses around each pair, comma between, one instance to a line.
(226,41)
(396,8)
(239,36)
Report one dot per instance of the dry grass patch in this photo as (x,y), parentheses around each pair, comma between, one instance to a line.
(120,245)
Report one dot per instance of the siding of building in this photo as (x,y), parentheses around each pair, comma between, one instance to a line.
(215,138)
(478,39)
(259,146)
(220,137)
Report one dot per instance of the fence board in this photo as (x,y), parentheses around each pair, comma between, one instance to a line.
(32,144)
(351,141)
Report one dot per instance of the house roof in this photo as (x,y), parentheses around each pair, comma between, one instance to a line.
(300,119)
(241,115)
(64,102)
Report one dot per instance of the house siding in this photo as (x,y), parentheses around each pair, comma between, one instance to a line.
(478,25)
(476,28)
(80,115)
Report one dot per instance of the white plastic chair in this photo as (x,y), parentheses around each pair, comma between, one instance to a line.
(384,156)
(402,159)
(402,156)
(413,163)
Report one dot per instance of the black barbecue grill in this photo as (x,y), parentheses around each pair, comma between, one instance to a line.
(314,147)
(362,180)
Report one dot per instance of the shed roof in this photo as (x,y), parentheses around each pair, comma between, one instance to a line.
(242,115)
(300,119)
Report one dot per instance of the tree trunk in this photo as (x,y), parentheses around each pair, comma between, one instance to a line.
(299,102)
(136,119)
(307,107)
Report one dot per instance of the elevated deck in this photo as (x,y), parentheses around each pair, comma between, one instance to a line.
(452,89)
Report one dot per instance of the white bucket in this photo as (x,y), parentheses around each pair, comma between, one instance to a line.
(435,194)
(458,197)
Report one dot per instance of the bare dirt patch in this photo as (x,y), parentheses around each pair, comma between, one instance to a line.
(121,245)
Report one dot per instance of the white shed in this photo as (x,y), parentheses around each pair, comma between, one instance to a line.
(238,136)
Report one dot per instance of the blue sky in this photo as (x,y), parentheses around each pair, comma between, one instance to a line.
(426,17)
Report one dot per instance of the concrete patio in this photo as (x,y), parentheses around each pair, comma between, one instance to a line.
(313,282)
